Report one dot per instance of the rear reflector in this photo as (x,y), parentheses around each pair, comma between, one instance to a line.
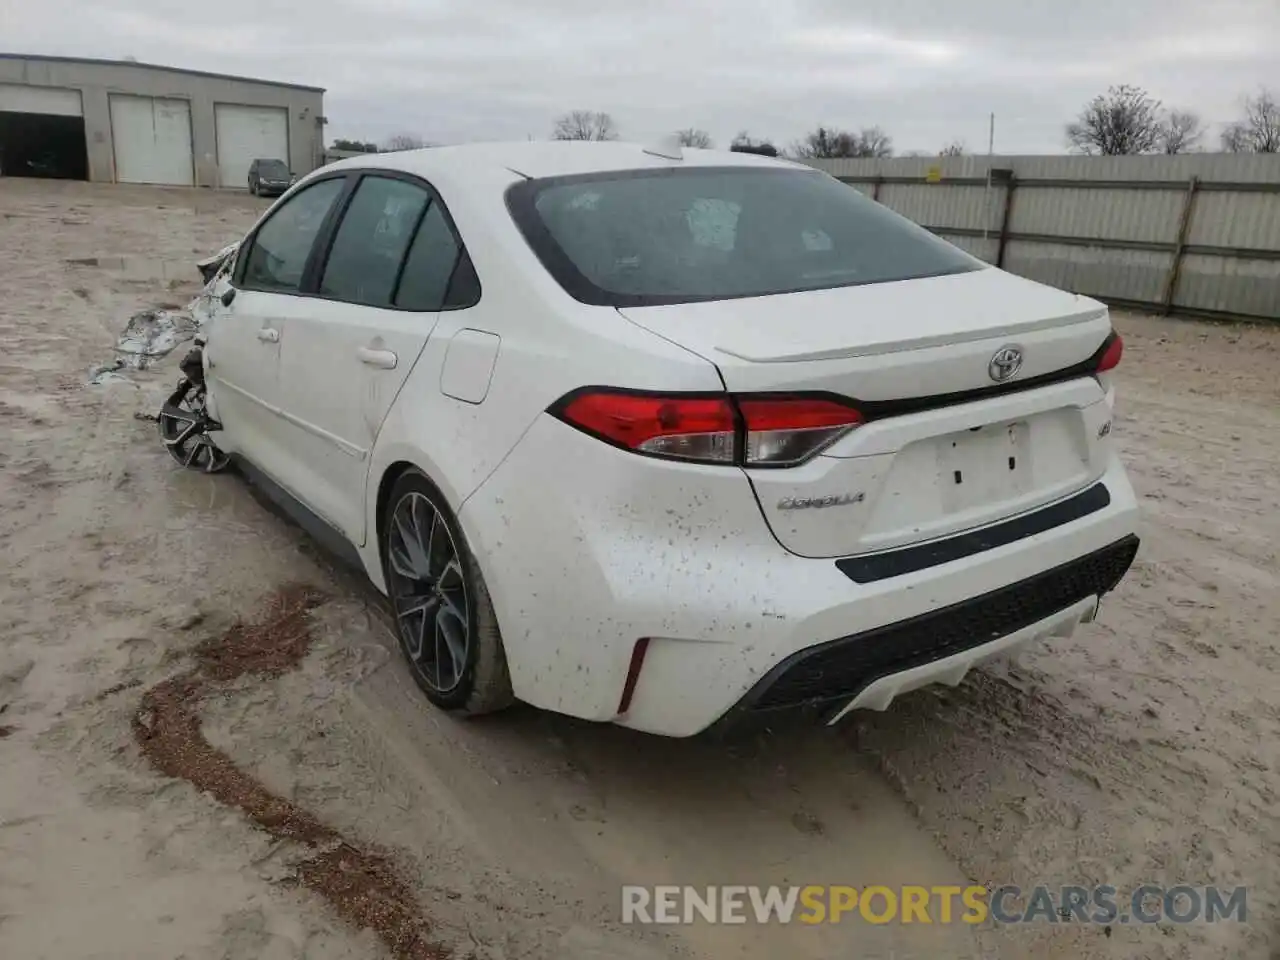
(1112,351)
(761,430)
(633,674)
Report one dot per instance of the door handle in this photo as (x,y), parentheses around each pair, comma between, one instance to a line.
(268,335)
(383,359)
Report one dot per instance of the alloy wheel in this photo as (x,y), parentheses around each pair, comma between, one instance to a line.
(184,430)
(429,592)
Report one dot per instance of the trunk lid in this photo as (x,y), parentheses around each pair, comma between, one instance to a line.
(946,447)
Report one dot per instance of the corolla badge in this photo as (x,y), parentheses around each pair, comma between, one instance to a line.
(817,503)
(1006,362)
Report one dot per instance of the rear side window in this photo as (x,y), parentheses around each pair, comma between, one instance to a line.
(371,241)
(282,245)
(464,288)
(649,237)
(430,266)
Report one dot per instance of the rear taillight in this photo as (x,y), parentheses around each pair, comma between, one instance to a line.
(1112,351)
(781,431)
(761,430)
(686,428)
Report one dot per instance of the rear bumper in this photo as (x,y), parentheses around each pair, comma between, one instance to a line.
(587,551)
(868,670)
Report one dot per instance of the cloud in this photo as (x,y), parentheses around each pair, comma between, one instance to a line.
(925,70)
(855,42)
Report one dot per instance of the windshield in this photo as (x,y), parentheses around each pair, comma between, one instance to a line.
(272,168)
(644,237)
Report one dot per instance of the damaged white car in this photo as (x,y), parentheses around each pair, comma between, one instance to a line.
(664,438)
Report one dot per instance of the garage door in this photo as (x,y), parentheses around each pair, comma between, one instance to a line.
(152,139)
(42,133)
(53,101)
(246,134)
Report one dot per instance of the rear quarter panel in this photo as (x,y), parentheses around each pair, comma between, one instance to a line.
(548,345)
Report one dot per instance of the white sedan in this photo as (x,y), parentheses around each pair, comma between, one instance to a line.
(670,438)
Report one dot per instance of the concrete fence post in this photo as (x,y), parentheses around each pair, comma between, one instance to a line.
(1005,217)
(1179,245)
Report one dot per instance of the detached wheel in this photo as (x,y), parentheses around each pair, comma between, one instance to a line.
(444,618)
(183,428)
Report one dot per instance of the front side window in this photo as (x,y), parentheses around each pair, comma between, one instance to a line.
(371,241)
(280,249)
(646,237)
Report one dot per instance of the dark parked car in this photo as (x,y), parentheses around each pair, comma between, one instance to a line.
(269,178)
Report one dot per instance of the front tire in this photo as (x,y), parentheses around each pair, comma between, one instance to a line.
(444,619)
(183,423)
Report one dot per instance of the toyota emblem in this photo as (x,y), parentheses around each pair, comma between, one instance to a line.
(1006,362)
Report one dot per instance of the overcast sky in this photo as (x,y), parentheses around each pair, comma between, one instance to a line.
(927,71)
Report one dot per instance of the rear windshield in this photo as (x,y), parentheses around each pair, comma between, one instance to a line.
(645,237)
(273,168)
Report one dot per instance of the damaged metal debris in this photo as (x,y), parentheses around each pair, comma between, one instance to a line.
(211,267)
(152,334)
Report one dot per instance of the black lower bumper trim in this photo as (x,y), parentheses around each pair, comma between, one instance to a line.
(894,563)
(840,669)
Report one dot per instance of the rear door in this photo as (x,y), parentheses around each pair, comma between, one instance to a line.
(375,299)
(246,338)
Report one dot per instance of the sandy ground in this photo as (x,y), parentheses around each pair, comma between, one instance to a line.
(1145,749)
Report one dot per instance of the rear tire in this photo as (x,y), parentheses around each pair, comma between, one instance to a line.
(436,588)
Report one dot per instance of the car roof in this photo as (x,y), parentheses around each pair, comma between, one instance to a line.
(554,158)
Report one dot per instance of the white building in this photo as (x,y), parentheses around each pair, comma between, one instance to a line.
(127,122)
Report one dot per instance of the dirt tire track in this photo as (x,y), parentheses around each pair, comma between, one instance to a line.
(362,885)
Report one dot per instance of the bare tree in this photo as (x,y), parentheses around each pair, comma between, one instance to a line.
(873,142)
(745,143)
(1259,131)
(403,141)
(823,142)
(1235,138)
(1179,132)
(1123,120)
(826,142)
(585,125)
(359,146)
(694,137)
(956,148)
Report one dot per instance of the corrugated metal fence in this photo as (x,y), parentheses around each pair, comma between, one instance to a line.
(1196,234)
